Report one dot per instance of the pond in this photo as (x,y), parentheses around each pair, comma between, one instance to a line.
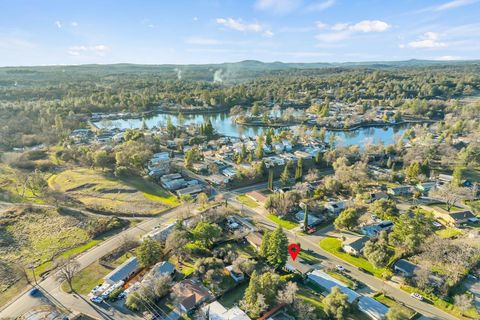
(224,125)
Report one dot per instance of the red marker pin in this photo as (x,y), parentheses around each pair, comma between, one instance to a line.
(294,249)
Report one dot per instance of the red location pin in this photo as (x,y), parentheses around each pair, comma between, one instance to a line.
(294,249)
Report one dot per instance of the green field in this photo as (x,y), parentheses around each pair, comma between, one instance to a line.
(287,224)
(246,200)
(334,246)
(102,191)
(448,233)
(85,280)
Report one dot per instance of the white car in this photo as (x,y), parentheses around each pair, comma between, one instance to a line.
(340,268)
(416,296)
(96,299)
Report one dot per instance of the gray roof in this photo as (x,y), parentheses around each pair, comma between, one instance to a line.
(123,271)
(328,282)
(162,268)
(372,308)
(357,244)
(406,266)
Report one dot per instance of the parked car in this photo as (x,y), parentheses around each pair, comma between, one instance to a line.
(416,296)
(340,268)
(33,291)
(96,299)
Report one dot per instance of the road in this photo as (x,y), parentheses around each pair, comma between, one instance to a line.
(311,242)
(52,293)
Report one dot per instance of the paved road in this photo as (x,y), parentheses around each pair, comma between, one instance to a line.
(50,288)
(312,242)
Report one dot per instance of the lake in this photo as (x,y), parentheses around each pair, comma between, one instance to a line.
(224,125)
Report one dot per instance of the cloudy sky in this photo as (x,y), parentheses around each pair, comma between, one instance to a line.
(34,32)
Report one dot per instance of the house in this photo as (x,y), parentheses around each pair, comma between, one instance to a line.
(163,268)
(123,272)
(303,155)
(373,230)
(216,311)
(426,186)
(445,178)
(328,283)
(298,266)
(312,220)
(400,190)
(371,307)
(257,196)
(254,239)
(455,218)
(405,268)
(354,245)
(336,207)
(160,234)
(236,276)
(192,190)
(190,294)
(377,195)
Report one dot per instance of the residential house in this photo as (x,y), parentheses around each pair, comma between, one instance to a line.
(216,311)
(335,207)
(312,219)
(371,307)
(400,190)
(192,190)
(236,276)
(354,245)
(123,272)
(160,234)
(328,283)
(405,268)
(377,195)
(190,293)
(163,268)
(254,239)
(373,230)
(455,218)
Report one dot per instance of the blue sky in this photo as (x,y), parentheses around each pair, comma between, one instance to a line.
(35,32)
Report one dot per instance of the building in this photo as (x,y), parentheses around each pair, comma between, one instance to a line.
(371,307)
(254,239)
(160,234)
(405,268)
(373,230)
(328,283)
(236,276)
(354,245)
(190,294)
(123,272)
(162,269)
(455,218)
(216,311)
(312,219)
(400,190)
(335,207)
(192,190)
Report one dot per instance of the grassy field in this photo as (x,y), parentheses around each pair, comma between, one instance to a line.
(444,207)
(334,246)
(35,237)
(101,191)
(233,297)
(389,302)
(246,200)
(287,224)
(342,278)
(448,233)
(85,280)
(475,205)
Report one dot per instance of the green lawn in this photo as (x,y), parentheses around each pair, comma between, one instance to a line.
(246,200)
(334,246)
(389,302)
(309,258)
(233,297)
(448,233)
(471,313)
(85,280)
(287,224)
(475,205)
(349,283)
(444,207)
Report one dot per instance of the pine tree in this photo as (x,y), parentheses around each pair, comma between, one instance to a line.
(270,179)
(264,245)
(285,176)
(249,301)
(318,158)
(299,170)
(277,250)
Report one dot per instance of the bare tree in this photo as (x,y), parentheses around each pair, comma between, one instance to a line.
(67,270)
(463,301)
(450,194)
(288,294)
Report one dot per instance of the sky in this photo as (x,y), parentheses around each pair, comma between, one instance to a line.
(50,32)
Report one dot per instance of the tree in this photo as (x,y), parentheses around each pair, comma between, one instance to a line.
(265,243)
(277,251)
(413,171)
(463,301)
(336,305)
(457,176)
(176,242)
(67,270)
(318,158)
(397,313)
(36,183)
(206,233)
(347,219)
(450,194)
(288,294)
(149,252)
(101,159)
(285,176)
(299,170)
(377,251)
(384,208)
(259,148)
(410,230)
(261,293)
(249,301)
(270,179)
(202,199)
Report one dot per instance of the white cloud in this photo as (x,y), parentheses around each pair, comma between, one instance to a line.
(320,6)
(58,24)
(428,40)
(277,6)
(202,41)
(99,50)
(320,25)
(341,31)
(239,25)
(74,24)
(448,58)
(454,4)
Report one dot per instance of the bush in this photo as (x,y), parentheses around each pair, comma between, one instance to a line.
(115,293)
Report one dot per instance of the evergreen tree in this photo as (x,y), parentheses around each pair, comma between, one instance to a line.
(299,170)
(259,149)
(268,137)
(285,176)
(250,297)
(318,158)
(277,252)
(270,179)
(264,246)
